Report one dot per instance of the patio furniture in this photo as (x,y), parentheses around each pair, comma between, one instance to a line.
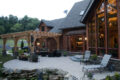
(100,66)
(76,58)
(43,51)
(86,56)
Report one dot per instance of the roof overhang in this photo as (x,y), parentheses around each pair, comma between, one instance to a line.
(78,32)
(91,4)
(72,27)
(28,33)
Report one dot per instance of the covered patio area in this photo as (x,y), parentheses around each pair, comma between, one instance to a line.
(32,38)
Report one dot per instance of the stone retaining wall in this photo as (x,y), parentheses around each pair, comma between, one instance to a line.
(114,62)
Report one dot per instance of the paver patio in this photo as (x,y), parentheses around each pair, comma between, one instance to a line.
(64,63)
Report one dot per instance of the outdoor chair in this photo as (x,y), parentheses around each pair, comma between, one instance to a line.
(79,58)
(100,66)
(86,56)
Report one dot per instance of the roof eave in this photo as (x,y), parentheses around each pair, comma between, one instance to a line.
(83,18)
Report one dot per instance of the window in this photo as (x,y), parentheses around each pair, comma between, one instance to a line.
(112,27)
(43,28)
(101,26)
(81,13)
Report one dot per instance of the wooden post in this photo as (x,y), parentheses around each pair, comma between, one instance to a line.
(15,44)
(4,43)
(28,40)
(64,42)
(96,35)
(58,42)
(118,15)
(83,36)
(87,42)
(69,43)
(106,32)
(4,48)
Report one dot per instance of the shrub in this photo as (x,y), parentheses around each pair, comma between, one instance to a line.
(117,76)
(34,57)
(90,75)
(108,78)
(94,57)
(20,51)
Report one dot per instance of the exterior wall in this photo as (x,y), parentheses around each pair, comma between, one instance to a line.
(45,27)
(67,39)
(118,7)
(92,12)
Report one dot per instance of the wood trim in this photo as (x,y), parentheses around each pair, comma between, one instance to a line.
(106,30)
(118,15)
(87,42)
(96,35)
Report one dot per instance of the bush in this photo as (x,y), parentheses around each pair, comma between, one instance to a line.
(108,78)
(34,57)
(20,51)
(117,76)
(94,57)
(90,75)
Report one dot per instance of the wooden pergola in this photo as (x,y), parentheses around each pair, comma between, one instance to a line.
(27,36)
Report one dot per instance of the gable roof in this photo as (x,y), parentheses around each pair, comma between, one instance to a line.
(48,23)
(57,25)
(73,18)
(54,23)
(90,6)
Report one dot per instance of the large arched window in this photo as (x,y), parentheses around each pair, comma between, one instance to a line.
(112,27)
(101,26)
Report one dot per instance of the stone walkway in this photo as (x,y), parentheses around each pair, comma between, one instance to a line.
(64,63)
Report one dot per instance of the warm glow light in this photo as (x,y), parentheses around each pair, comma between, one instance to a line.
(112,19)
(79,43)
(80,38)
(38,44)
(85,38)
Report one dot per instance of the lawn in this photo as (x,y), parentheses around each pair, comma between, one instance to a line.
(10,43)
(4,59)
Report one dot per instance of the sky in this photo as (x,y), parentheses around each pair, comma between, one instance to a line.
(41,9)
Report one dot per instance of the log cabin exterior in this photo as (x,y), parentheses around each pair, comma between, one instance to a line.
(73,31)
(61,34)
(102,19)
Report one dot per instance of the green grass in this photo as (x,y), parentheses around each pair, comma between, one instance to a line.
(4,59)
(10,42)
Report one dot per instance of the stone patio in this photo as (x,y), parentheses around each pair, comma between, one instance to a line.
(64,63)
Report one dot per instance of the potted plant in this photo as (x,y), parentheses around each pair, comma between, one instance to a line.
(90,75)
(108,78)
(64,53)
(94,57)
(117,76)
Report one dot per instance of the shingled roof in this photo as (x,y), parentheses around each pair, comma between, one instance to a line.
(54,23)
(90,6)
(57,25)
(73,18)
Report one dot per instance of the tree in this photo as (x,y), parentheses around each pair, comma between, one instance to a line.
(2,30)
(16,28)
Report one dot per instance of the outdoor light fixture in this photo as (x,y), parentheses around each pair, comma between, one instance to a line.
(38,44)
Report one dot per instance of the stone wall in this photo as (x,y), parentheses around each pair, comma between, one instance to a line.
(116,63)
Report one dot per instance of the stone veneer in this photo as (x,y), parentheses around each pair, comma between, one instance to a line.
(114,62)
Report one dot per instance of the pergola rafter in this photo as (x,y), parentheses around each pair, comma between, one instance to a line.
(27,35)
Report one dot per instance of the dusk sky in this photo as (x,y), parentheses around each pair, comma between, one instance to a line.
(41,9)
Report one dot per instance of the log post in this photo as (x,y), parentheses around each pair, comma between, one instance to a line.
(4,48)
